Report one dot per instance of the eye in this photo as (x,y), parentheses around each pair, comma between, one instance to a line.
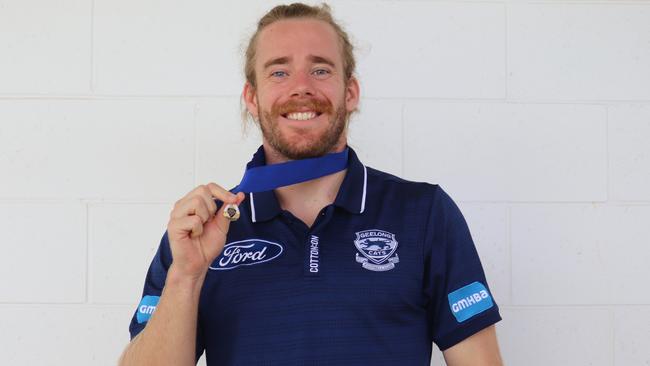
(321,72)
(278,73)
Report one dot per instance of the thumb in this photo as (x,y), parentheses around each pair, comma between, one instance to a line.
(216,229)
(214,235)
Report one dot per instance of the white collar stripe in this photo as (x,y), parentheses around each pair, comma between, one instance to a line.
(365,183)
(252,208)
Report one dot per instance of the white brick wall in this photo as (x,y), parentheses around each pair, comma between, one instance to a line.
(629,133)
(120,237)
(579,51)
(590,253)
(63,335)
(508,152)
(45,47)
(43,252)
(558,336)
(534,116)
(454,49)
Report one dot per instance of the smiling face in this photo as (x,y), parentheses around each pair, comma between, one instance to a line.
(301,98)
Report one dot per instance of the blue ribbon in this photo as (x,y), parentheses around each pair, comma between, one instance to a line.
(268,177)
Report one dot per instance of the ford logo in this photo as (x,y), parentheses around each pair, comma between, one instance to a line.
(246,253)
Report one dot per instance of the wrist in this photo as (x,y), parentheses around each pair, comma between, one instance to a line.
(177,278)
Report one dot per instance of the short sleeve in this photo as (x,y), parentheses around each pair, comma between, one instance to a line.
(460,301)
(153,287)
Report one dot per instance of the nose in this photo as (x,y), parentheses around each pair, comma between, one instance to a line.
(302,85)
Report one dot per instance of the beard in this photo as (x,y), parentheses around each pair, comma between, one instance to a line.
(307,144)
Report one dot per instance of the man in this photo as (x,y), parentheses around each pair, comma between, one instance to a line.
(356,267)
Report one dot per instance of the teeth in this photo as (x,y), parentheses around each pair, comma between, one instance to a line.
(301,116)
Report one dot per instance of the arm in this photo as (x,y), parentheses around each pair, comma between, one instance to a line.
(170,335)
(480,349)
(197,235)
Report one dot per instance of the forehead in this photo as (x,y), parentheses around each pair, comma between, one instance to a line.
(297,38)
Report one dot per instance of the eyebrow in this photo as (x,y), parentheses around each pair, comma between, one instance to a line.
(285,60)
(321,60)
(276,61)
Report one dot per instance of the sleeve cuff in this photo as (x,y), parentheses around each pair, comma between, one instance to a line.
(136,329)
(481,322)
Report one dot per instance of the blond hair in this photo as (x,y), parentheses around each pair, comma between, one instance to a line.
(293,11)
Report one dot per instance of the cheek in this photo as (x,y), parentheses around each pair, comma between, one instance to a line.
(333,95)
(265,100)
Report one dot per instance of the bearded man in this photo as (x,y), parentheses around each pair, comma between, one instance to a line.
(318,260)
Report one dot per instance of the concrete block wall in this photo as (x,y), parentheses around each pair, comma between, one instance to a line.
(534,116)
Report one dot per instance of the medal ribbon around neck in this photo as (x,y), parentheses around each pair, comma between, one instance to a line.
(268,177)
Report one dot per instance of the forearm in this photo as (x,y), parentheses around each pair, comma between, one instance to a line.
(170,335)
(481,349)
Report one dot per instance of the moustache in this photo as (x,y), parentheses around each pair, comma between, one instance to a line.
(316,105)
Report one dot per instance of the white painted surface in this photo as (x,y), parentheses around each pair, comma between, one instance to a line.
(535,117)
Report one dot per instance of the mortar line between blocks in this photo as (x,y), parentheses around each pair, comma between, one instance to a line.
(195,144)
(90,200)
(92,46)
(607,168)
(613,325)
(591,2)
(64,96)
(87,274)
(66,305)
(184,97)
(509,246)
(505,50)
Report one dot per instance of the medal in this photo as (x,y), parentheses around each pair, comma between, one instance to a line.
(231,212)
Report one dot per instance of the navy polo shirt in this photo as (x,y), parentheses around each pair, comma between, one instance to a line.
(387,269)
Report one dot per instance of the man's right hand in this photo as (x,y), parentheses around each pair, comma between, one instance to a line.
(197,234)
(196,231)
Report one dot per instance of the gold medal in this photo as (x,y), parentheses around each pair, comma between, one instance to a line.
(231,212)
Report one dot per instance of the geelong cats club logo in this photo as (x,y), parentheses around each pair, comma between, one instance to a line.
(377,248)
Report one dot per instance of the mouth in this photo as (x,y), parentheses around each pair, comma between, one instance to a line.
(301,116)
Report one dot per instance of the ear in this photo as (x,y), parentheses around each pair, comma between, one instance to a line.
(352,94)
(250,98)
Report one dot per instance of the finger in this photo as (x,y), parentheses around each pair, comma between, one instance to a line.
(192,206)
(204,192)
(221,222)
(220,193)
(240,197)
(187,225)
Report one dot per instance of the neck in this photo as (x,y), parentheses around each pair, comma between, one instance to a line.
(305,200)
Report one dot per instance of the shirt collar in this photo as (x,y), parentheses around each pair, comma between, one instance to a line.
(351,196)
